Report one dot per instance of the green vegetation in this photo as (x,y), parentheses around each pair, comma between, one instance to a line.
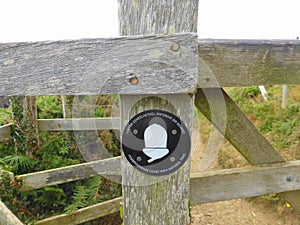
(280,126)
(58,149)
(277,124)
(5,116)
(55,149)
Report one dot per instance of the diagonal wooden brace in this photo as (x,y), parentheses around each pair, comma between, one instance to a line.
(240,132)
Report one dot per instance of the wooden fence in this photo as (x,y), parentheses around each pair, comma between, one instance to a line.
(205,187)
(167,61)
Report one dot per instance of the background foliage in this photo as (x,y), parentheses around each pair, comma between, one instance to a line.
(58,149)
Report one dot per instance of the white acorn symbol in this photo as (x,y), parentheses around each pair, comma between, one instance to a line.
(156,138)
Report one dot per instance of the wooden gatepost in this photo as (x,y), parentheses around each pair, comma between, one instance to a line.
(149,199)
(161,71)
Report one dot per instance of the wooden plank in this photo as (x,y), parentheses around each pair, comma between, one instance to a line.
(112,123)
(84,214)
(7,217)
(99,66)
(163,196)
(221,63)
(224,63)
(148,199)
(229,62)
(5,132)
(220,185)
(240,132)
(45,178)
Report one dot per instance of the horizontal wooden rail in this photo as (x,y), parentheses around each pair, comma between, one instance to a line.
(7,217)
(224,63)
(207,186)
(213,186)
(84,214)
(161,64)
(5,132)
(45,178)
(80,124)
(112,123)
(95,66)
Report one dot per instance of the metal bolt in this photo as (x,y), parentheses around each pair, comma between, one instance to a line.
(172,159)
(139,158)
(289,178)
(175,46)
(174,132)
(135,131)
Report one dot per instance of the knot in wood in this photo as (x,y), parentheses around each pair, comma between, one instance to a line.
(133,80)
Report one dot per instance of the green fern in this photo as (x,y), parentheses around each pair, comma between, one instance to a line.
(19,163)
(85,195)
(78,200)
(92,192)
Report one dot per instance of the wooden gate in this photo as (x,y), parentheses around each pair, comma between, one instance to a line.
(158,63)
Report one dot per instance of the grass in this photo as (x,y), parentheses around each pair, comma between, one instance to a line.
(5,116)
(279,125)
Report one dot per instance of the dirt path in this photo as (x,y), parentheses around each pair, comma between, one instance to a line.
(256,211)
(240,211)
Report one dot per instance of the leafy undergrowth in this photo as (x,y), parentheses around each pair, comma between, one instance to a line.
(56,149)
(279,125)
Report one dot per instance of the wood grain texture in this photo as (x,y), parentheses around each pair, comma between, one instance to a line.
(94,66)
(5,132)
(7,217)
(66,174)
(85,214)
(74,124)
(156,201)
(205,187)
(78,124)
(100,66)
(144,17)
(212,186)
(248,62)
(112,123)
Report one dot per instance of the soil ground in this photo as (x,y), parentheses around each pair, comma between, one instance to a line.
(252,211)
(241,211)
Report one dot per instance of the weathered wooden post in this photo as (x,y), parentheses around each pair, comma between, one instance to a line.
(26,134)
(156,195)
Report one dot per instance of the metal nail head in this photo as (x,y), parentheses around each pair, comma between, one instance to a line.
(289,178)
(175,46)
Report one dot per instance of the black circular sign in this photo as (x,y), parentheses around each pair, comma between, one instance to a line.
(156,142)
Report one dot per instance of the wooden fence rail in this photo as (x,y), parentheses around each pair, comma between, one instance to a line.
(174,65)
(84,214)
(7,217)
(75,124)
(205,187)
(233,63)
(222,63)
(110,166)
(5,132)
(233,183)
